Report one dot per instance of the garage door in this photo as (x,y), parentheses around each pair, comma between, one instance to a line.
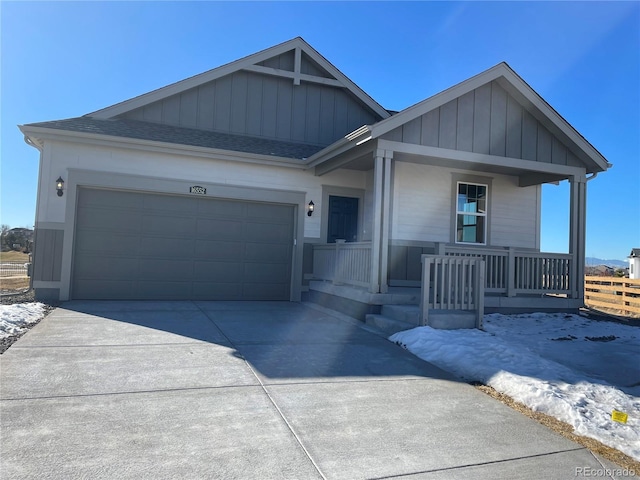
(131,245)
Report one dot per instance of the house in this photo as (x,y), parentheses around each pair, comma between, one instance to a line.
(634,263)
(275,176)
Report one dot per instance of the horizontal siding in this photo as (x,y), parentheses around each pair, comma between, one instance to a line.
(421,203)
(249,103)
(422,207)
(514,214)
(486,120)
(199,171)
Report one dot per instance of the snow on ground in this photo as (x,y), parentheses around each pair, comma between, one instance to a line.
(572,368)
(17,318)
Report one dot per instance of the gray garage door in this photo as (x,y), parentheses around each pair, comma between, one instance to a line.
(131,245)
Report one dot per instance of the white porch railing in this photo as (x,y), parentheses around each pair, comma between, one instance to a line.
(343,263)
(514,272)
(452,283)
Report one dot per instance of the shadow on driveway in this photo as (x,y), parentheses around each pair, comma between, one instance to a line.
(249,390)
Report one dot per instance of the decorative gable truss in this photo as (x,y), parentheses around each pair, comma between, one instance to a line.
(288,92)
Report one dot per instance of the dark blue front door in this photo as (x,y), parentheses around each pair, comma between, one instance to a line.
(343,219)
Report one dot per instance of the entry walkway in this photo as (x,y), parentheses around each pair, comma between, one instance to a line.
(249,390)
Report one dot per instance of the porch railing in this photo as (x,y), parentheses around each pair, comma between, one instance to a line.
(508,271)
(343,263)
(452,283)
(513,272)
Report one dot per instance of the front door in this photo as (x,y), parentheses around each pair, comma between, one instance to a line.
(343,219)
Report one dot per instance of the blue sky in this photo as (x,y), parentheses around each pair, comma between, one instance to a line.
(66,59)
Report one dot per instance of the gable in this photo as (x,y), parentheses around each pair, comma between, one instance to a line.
(288,92)
(486,120)
(286,62)
(250,103)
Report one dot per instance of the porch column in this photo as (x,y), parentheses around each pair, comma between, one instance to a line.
(381,220)
(577,232)
(376,237)
(386,222)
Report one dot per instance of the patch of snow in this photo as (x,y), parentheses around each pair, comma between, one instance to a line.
(17,318)
(572,368)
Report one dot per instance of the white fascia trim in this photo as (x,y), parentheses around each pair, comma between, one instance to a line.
(479,158)
(161,147)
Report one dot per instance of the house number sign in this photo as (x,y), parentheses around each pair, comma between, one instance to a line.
(198,190)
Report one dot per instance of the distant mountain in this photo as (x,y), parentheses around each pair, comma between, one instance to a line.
(609,263)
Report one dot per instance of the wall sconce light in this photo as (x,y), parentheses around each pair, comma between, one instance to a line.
(310,209)
(60,186)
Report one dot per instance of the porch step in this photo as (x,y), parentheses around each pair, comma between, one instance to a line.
(403,313)
(451,319)
(387,325)
(396,318)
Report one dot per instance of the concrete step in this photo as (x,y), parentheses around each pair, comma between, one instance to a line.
(396,318)
(404,313)
(451,319)
(387,325)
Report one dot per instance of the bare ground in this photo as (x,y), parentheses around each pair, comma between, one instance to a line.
(13,284)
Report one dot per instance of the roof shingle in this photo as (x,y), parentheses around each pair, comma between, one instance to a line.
(183,136)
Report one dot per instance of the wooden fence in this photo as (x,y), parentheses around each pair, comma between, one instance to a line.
(621,294)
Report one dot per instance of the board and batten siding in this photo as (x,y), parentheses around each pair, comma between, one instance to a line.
(249,103)
(47,258)
(489,121)
(422,207)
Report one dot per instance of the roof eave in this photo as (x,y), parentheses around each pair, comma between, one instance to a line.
(346,143)
(42,133)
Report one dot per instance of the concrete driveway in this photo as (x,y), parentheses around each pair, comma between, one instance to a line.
(249,390)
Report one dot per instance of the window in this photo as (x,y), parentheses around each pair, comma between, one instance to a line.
(471,213)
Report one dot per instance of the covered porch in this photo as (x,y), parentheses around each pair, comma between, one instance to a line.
(513,280)
(364,276)
(459,176)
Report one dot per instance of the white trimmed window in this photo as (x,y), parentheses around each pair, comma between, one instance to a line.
(471,213)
